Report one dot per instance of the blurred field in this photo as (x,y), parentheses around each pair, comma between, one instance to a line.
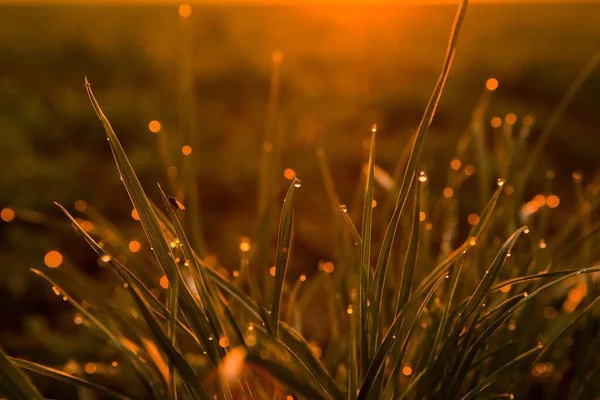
(343,69)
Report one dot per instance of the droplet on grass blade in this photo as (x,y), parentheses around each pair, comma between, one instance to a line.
(422,177)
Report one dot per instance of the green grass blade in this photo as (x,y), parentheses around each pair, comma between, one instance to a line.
(284,239)
(410,260)
(189,377)
(377,364)
(534,277)
(351,227)
(285,376)
(455,273)
(124,273)
(417,148)
(134,359)
(210,308)
(530,296)
(62,376)
(564,326)
(491,274)
(13,383)
(366,340)
(152,228)
(536,152)
(494,376)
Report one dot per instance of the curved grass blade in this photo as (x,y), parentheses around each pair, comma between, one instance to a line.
(569,322)
(498,321)
(62,376)
(130,278)
(529,278)
(284,239)
(134,359)
(477,390)
(13,383)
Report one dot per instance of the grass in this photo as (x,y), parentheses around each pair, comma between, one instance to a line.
(505,309)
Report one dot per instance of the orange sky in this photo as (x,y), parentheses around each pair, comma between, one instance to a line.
(267,2)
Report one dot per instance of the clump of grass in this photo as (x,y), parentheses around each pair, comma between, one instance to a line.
(427,314)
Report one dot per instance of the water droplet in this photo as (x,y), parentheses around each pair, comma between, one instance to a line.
(525,294)
(542,244)
(56,291)
(526,230)
(507,255)
(349,310)
(500,182)
(423,177)
(447,276)
(374,128)
(297,183)
(472,241)
(106,258)
(210,337)
(65,298)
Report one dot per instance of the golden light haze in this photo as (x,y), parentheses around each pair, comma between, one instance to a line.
(274,2)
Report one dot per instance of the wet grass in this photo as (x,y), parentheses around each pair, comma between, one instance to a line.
(412,304)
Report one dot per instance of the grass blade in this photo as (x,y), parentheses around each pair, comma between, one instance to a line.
(417,148)
(366,340)
(13,383)
(376,366)
(476,391)
(535,154)
(67,378)
(284,239)
(152,228)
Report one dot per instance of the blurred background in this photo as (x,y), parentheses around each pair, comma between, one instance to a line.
(160,69)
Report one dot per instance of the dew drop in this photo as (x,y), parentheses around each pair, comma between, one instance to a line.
(210,337)
(542,244)
(65,298)
(423,177)
(472,241)
(106,258)
(526,230)
(55,290)
(343,208)
(374,128)
(297,183)
(500,182)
